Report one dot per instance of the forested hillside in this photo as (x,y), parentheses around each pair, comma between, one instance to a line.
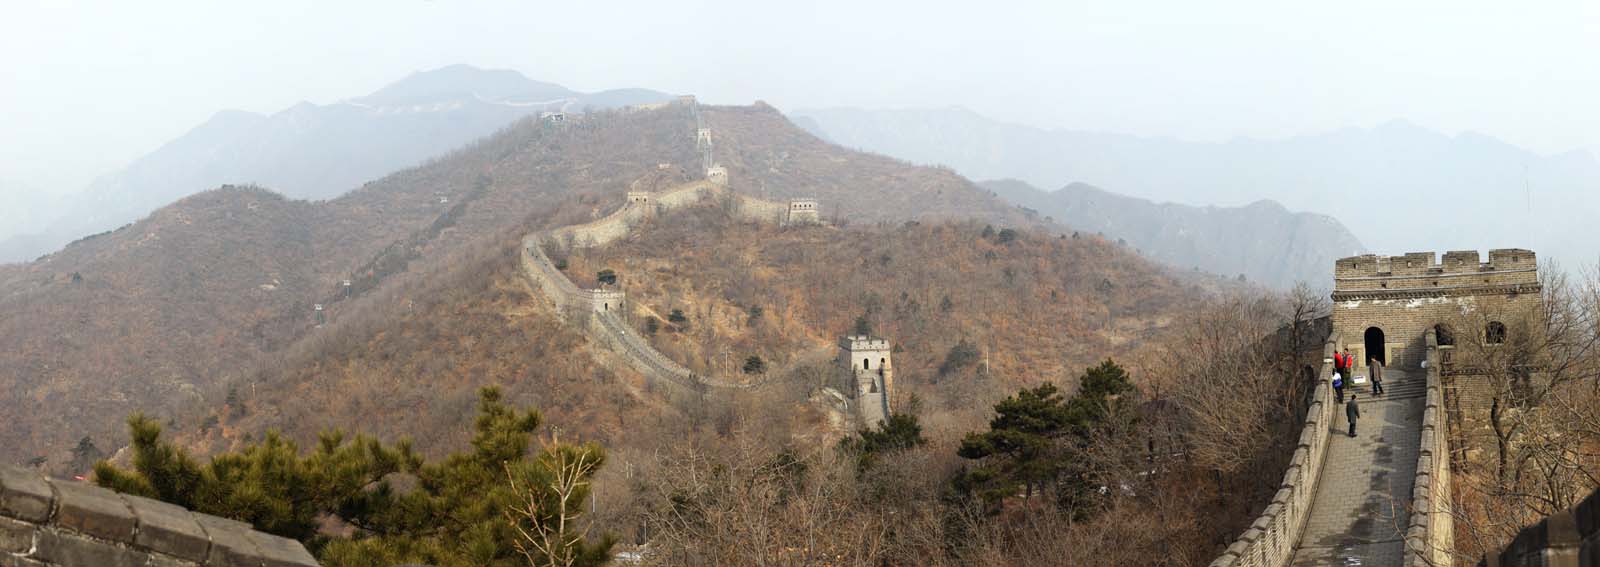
(973,310)
(170,311)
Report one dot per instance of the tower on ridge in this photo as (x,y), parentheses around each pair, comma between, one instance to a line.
(870,376)
(803,211)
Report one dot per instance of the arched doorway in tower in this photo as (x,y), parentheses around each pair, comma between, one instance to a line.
(1374,344)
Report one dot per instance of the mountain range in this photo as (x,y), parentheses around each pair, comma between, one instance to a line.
(1398,186)
(1262,241)
(202,298)
(311,151)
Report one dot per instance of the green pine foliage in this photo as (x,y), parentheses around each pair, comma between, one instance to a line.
(477,508)
(863,326)
(963,355)
(1036,441)
(900,432)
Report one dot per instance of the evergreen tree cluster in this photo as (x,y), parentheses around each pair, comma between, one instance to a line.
(485,507)
(1036,441)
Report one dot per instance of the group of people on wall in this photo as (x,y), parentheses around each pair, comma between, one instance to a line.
(1344,376)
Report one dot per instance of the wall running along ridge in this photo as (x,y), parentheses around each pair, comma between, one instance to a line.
(49,522)
(1271,539)
(607,325)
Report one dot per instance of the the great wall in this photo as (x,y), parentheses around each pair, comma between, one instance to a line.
(1384,498)
(603,311)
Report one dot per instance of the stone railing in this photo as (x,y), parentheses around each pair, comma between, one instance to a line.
(1271,539)
(1430,535)
(1570,538)
(49,522)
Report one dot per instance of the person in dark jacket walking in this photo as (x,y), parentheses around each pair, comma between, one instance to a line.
(1351,412)
(1377,375)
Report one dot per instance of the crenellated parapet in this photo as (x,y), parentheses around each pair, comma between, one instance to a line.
(51,522)
(1569,538)
(1417,273)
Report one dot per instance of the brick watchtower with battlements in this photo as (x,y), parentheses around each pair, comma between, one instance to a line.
(803,211)
(1383,305)
(871,375)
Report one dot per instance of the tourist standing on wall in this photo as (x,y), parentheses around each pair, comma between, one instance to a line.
(1377,375)
(1351,412)
(1338,386)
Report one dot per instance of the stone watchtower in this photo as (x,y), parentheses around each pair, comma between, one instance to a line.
(802,211)
(1383,305)
(717,175)
(870,376)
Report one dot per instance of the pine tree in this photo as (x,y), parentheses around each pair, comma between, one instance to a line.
(900,432)
(1019,450)
(1036,439)
(466,510)
(863,326)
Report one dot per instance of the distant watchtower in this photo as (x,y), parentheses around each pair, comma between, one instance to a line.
(1383,305)
(717,175)
(803,211)
(639,199)
(871,375)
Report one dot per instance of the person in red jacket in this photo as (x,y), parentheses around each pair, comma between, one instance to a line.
(1341,373)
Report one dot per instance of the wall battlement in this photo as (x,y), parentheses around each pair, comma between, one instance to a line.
(863,343)
(1419,270)
(46,522)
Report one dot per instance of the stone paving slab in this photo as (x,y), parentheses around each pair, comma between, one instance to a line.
(1359,514)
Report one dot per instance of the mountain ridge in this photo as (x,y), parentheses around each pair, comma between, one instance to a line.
(1399,186)
(169,311)
(1262,241)
(313,151)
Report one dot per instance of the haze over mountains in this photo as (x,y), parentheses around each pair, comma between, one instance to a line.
(160,316)
(307,151)
(1398,186)
(1262,240)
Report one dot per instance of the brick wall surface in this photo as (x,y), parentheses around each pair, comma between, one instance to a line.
(1567,539)
(51,522)
(1403,296)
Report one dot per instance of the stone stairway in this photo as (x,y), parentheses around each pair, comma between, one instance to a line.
(1397,385)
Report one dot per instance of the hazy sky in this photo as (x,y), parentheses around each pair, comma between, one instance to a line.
(86,87)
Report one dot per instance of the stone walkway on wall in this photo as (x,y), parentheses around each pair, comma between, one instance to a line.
(1359,514)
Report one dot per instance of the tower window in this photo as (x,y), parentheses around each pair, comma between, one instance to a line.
(1494,333)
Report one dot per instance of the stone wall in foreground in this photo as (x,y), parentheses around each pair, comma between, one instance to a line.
(1568,539)
(50,522)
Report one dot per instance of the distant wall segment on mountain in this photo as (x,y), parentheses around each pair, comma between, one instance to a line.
(49,522)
